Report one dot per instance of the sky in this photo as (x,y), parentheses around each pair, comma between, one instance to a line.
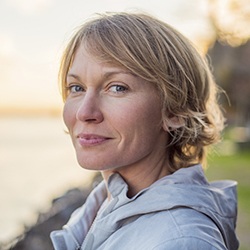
(33,34)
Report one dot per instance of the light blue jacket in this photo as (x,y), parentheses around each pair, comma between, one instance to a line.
(179,211)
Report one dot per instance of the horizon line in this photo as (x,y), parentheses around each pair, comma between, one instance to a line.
(30,111)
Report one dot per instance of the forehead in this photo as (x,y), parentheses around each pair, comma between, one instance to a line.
(83,58)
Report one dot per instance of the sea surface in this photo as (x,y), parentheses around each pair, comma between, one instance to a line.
(37,164)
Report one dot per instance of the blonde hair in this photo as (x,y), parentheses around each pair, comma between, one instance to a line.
(158,53)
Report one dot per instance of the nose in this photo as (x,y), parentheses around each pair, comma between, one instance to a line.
(89,109)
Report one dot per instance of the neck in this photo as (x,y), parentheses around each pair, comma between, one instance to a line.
(139,177)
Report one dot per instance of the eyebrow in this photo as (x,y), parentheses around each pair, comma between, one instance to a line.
(74,76)
(106,75)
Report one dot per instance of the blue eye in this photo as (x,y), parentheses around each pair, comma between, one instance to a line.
(75,88)
(118,88)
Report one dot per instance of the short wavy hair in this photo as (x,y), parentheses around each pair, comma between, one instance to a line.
(156,52)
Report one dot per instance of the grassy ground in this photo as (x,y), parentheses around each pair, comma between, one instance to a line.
(235,166)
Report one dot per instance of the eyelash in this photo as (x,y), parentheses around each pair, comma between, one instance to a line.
(75,88)
(116,86)
(71,87)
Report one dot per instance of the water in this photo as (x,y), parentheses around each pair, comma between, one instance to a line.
(37,163)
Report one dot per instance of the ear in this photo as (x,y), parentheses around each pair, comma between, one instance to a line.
(172,123)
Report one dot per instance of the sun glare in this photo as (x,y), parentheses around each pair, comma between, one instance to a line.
(232,19)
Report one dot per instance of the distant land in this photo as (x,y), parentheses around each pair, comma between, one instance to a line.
(30,111)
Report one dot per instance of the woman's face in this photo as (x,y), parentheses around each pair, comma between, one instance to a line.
(113,117)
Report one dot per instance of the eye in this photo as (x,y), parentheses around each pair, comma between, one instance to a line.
(118,88)
(75,88)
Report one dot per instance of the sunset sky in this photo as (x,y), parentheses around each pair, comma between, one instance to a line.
(33,33)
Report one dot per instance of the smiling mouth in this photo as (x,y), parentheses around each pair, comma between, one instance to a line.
(86,140)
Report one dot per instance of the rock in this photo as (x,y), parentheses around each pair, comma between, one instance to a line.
(37,236)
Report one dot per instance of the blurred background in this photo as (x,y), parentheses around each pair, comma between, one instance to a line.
(37,161)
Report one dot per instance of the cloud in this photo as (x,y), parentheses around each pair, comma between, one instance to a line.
(7,47)
(7,53)
(29,6)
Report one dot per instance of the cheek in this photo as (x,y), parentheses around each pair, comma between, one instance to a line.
(68,115)
(144,119)
(151,114)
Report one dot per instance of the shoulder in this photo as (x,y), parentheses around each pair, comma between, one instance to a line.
(182,221)
(194,227)
(180,228)
(186,243)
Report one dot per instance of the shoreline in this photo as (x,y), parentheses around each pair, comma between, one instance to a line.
(38,234)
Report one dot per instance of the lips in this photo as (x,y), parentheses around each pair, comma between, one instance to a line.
(87,140)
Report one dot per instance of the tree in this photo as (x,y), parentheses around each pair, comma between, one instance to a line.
(230,55)
(230,20)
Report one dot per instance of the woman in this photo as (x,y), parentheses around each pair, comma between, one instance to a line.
(140,107)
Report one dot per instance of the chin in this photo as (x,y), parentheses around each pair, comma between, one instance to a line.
(95,166)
